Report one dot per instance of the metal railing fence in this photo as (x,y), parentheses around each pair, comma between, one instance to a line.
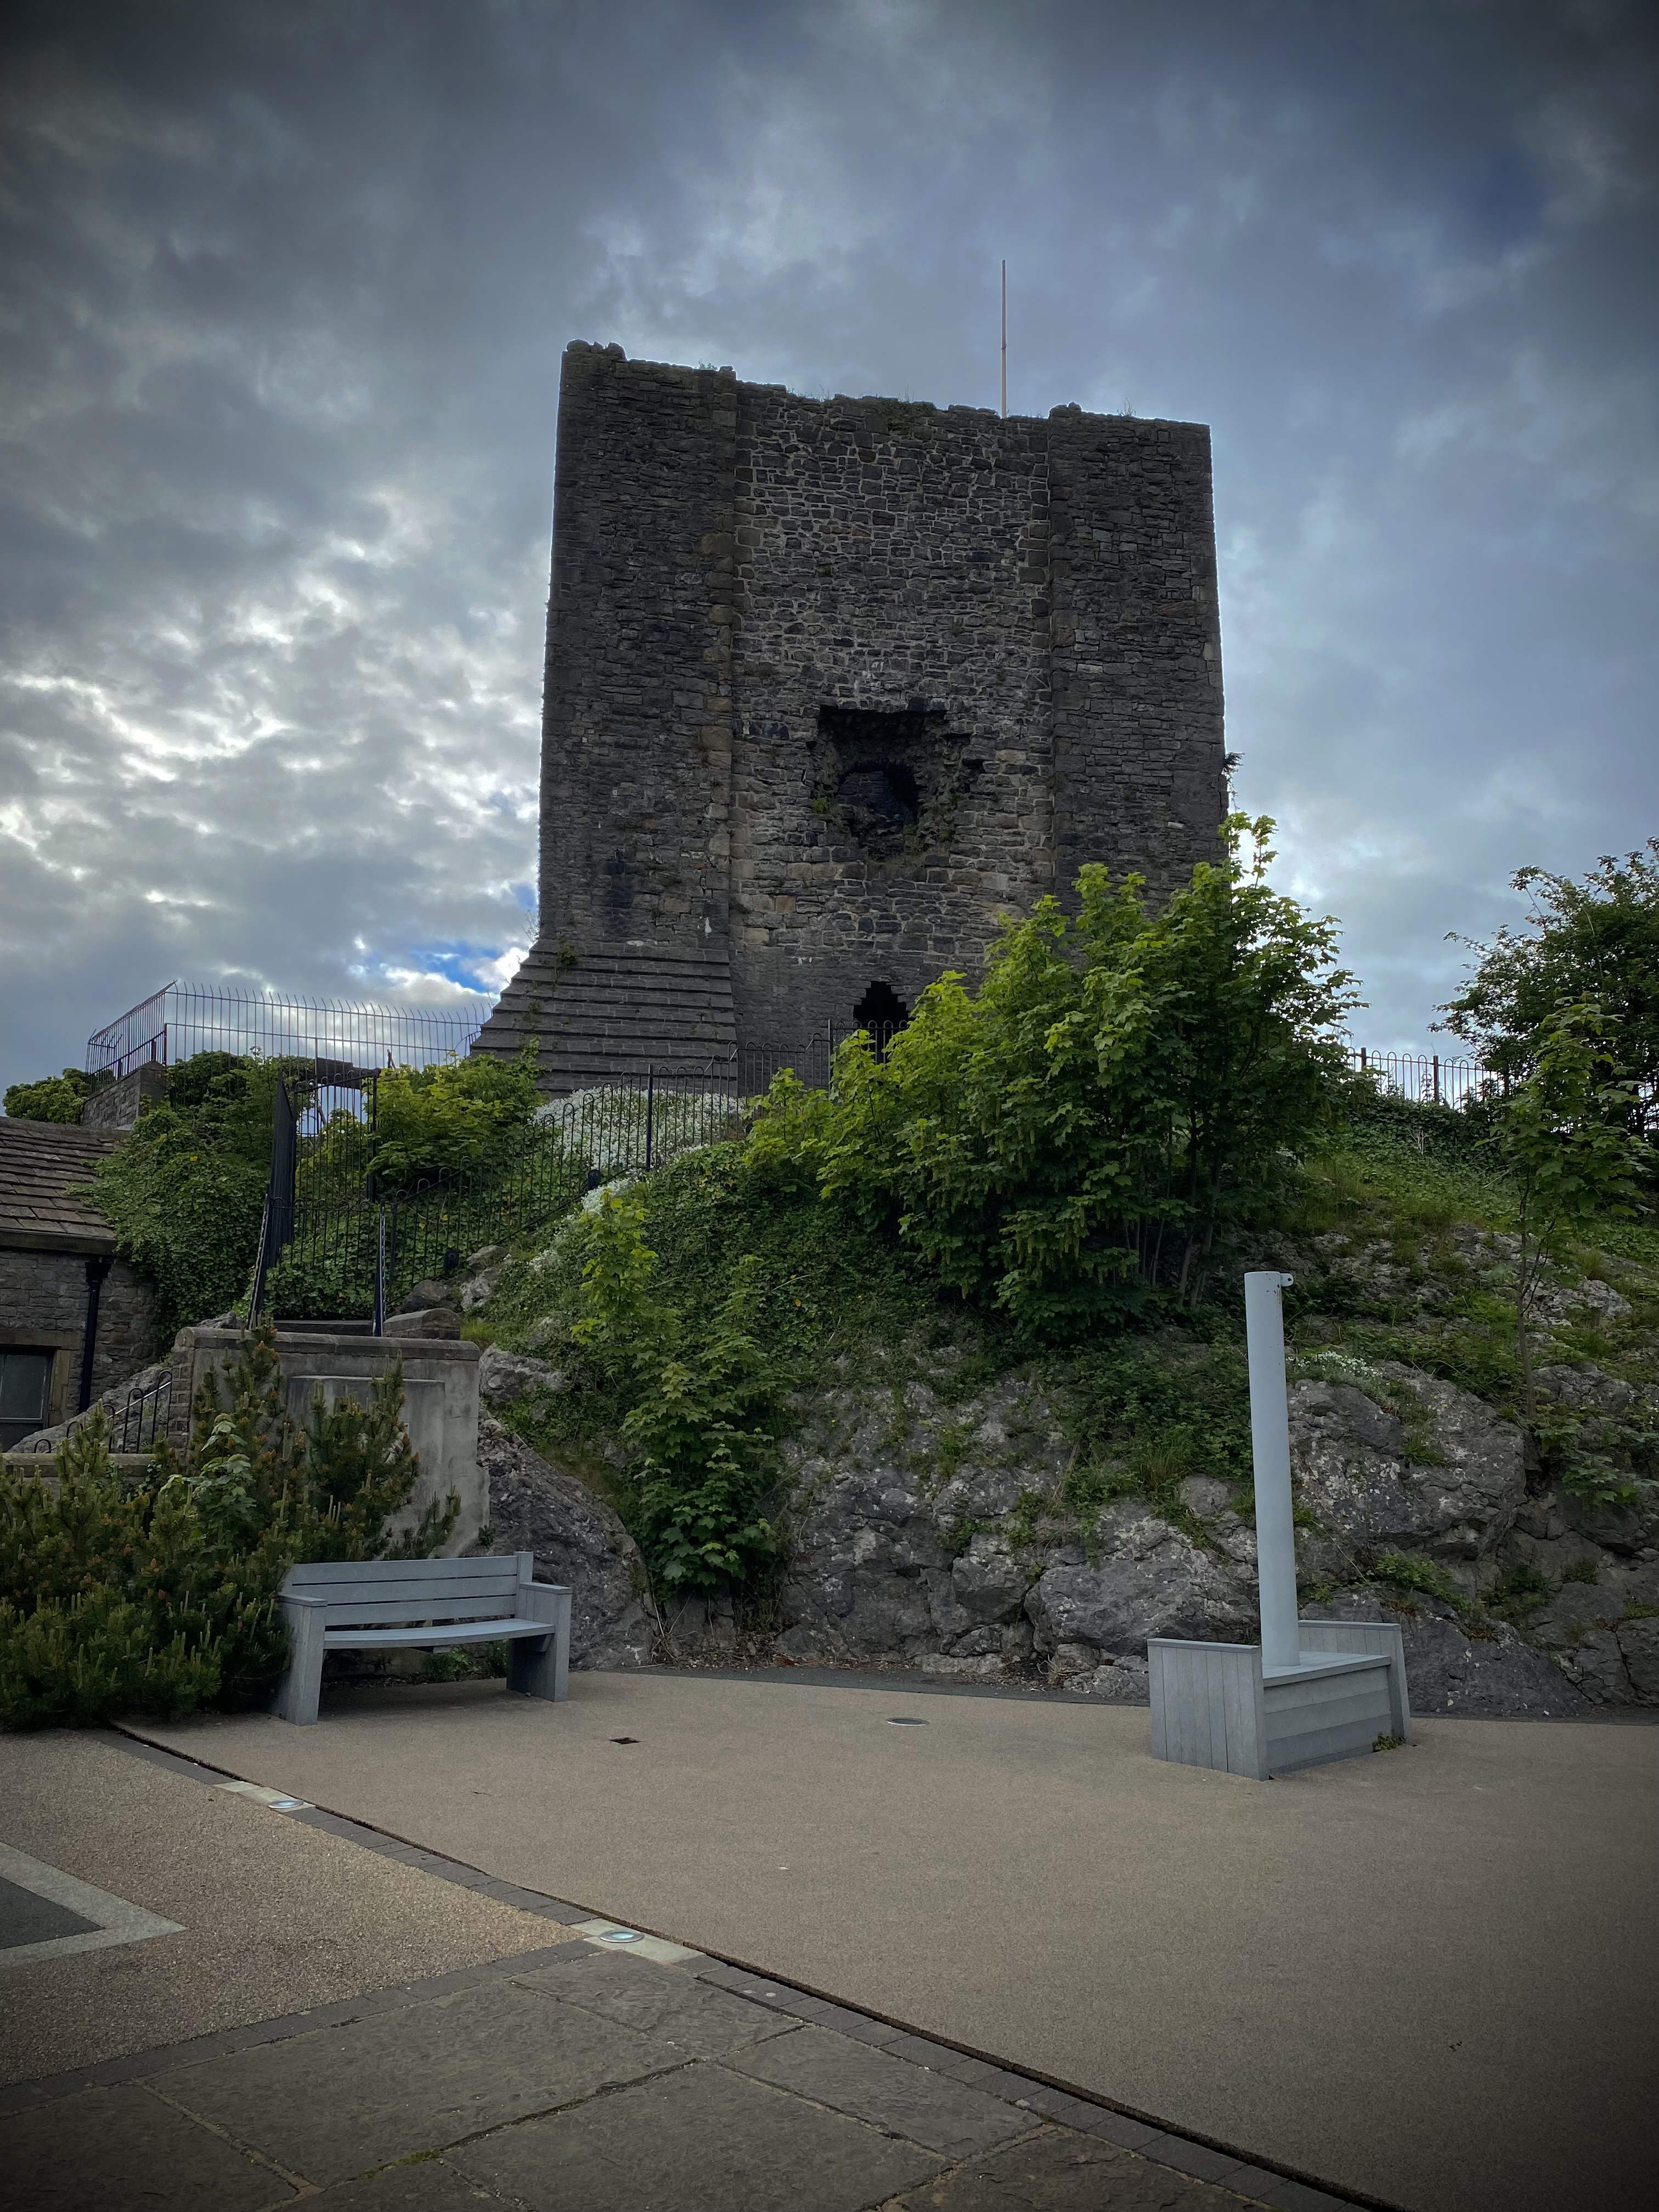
(1426,1079)
(137,1424)
(345,1041)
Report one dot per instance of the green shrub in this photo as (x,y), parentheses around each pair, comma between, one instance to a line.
(1402,1572)
(162,1594)
(1073,1135)
(461,1116)
(1518,1592)
(54,1098)
(185,1190)
(704,1406)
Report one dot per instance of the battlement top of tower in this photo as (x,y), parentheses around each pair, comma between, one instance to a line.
(897,414)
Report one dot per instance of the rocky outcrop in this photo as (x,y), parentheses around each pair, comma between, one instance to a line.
(506,1377)
(1451,1667)
(889,1560)
(1436,1472)
(1419,1471)
(933,1534)
(1144,1579)
(577,1540)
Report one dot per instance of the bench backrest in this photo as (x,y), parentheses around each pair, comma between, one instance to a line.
(389,1593)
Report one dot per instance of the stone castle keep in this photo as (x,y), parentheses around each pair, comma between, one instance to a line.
(830,687)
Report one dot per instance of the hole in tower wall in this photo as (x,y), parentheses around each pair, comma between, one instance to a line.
(886,769)
(885,792)
(883,1013)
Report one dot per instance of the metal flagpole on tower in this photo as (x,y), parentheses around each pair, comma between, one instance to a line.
(1005,341)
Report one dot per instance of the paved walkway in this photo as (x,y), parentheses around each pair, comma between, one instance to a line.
(579,2066)
(1426,1976)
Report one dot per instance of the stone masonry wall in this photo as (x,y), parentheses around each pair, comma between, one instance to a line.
(831,686)
(1139,770)
(636,729)
(46,1293)
(889,558)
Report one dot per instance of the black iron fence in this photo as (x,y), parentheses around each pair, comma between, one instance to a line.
(136,1423)
(1427,1079)
(339,1243)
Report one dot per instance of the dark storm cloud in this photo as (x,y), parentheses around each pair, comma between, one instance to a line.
(284,292)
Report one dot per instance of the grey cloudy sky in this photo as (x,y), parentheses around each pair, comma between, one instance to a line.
(284,289)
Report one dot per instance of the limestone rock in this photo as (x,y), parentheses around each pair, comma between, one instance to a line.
(987,1582)
(987,1668)
(1576,1608)
(1566,1302)
(577,1540)
(1586,1389)
(1149,1580)
(1638,1642)
(504,1377)
(1125,1682)
(425,1321)
(1353,1470)
(1630,1530)
(1595,1664)
(478,1290)
(434,1290)
(1492,1675)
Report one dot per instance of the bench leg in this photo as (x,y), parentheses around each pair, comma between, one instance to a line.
(538,1669)
(298,1691)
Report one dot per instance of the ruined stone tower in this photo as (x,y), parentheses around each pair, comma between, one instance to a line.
(830,686)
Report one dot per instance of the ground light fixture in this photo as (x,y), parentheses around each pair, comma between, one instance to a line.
(1311,1691)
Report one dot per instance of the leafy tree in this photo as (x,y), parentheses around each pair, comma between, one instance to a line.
(54,1098)
(1072,1136)
(1562,1135)
(162,1594)
(460,1116)
(1594,942)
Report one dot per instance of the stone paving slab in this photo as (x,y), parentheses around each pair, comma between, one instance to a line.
(1058,2172)
(126,2148)
(266,1913)
(700,2020)
(903,2100)
(433,2185)
(1465,1933)
(331,2105)
(701,2140)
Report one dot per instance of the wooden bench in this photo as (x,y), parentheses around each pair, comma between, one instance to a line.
(430,1605)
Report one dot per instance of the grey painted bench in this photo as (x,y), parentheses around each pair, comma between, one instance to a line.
(432,1605)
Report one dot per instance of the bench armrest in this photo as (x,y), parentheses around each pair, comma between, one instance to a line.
(548,1602)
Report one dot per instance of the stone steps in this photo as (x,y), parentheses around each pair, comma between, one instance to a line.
(617,1016)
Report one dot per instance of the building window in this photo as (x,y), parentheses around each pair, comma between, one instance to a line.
(25,1394)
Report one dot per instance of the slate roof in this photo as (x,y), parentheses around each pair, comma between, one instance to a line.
(40,1162)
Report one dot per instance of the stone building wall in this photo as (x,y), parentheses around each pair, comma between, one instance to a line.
(831,686)
(43,1304)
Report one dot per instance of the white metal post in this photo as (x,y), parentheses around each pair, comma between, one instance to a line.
(1270,1444)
